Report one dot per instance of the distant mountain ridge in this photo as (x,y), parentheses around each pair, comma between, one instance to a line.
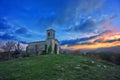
(115,49)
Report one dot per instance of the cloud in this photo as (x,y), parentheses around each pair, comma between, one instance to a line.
(90,5)
(92,46)
(46,21)
(98,40)
(23,42)
(73,9)
(7,36)
(21,30)
(10,31)
(85,43)
(4,24)
(76,41)
(107,36)
(101,41)
(85,40)
(84,26)
(13,31)
(65,11)
(105,39)
(113,40)
(90,25)
(26,33)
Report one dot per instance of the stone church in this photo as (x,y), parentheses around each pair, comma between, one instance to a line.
(50,46)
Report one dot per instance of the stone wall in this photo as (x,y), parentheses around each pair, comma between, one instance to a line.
(36,47)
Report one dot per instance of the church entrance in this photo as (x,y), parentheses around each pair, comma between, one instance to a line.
(55,50)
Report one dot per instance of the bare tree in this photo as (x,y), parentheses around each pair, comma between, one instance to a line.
(8,47)
(18,50)
(1,50)
(18,47)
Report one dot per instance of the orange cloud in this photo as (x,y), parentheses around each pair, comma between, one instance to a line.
(112,35)
(92,46)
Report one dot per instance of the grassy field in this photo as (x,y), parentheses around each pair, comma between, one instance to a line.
(58,67)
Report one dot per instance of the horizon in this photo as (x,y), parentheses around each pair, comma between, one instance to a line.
(80,24)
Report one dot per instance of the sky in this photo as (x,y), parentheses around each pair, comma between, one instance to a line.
(79,24)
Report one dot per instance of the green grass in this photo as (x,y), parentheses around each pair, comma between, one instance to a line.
(58,67)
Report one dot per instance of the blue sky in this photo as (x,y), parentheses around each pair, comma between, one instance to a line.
(75,21)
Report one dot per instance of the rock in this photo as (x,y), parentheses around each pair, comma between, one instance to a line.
(104,66)
(77,67)
(92,62)
(99,65)
(59,79)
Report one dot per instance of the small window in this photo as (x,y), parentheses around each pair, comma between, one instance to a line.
(48,33)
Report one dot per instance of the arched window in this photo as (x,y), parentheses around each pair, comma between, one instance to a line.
(48,33)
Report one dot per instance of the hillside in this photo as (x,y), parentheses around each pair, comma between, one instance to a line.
(58,67)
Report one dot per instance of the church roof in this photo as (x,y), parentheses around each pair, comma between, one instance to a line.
(51,30)
(36,42)
(57,40)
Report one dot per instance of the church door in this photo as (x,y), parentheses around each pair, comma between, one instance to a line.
(55,50)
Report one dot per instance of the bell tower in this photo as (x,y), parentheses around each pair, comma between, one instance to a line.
(50,34)
(50,41)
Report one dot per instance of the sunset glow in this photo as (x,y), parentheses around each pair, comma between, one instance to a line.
(92,46)
(79,24)
(104,42)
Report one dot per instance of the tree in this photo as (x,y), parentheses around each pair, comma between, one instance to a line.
(49,49)
(8,47)
(17,51)
(1,50)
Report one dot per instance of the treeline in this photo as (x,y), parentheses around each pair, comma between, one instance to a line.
(11,50)
(103,55)
(109,56)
